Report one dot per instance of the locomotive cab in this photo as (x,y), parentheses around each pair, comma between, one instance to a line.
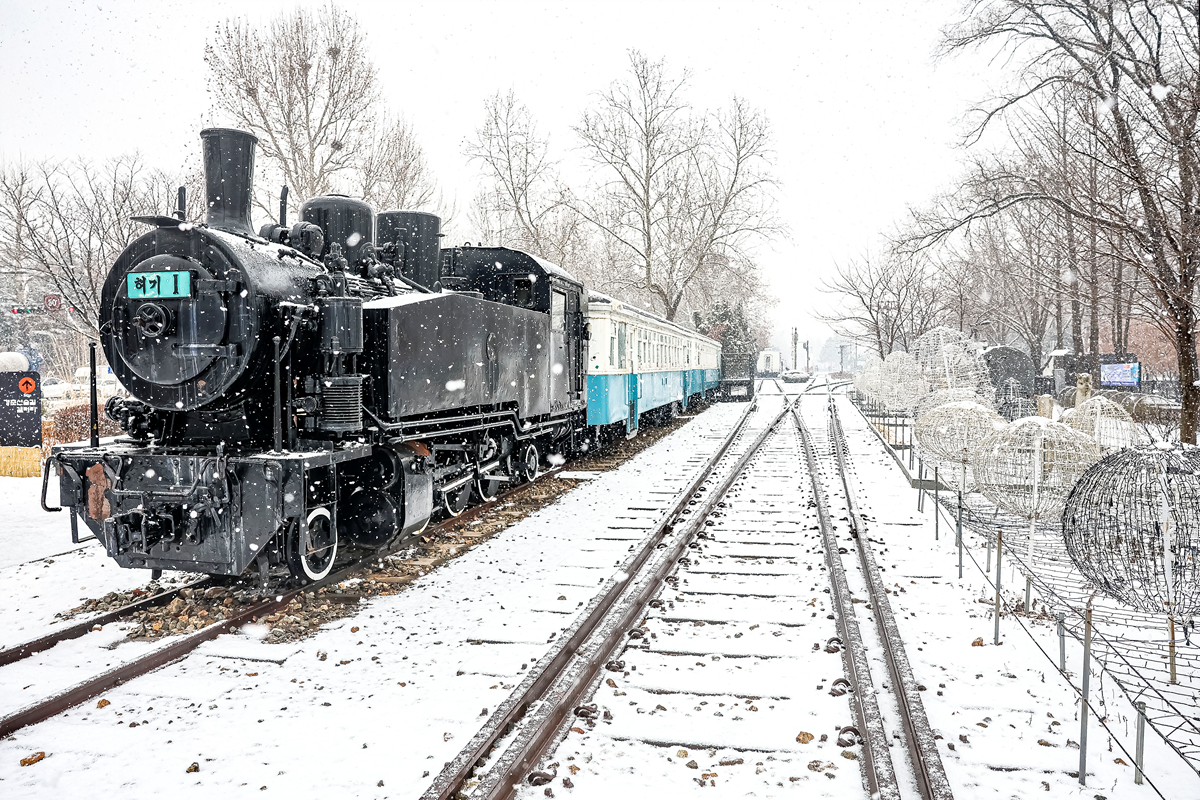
(518,279)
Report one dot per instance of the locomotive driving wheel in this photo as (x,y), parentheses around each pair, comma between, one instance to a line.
(488,486)
(529,462)
(311,551)
(455,501)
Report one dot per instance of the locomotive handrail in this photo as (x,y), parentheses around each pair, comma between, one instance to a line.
(46,484)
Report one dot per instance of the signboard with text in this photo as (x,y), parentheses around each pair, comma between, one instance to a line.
(1125,376)
(20,409)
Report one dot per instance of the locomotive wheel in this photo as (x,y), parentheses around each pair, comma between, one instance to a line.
(456,501)
(529,463)
(310,555)
(486,489)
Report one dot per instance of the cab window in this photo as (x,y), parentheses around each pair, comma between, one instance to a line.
(558,310)
(523,292)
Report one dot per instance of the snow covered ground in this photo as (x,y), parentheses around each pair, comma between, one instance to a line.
(727,685)
(372,705)
(41,572)
(1004,700)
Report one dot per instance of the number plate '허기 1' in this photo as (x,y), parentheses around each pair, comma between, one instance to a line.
(158,284)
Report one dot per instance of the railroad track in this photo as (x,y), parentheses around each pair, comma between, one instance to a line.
(178,647)
(924,766)
(503,754)
(753,542)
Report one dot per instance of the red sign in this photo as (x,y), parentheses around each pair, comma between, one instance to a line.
(27,385)
(53,302)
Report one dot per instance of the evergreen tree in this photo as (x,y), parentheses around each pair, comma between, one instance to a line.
(728,325)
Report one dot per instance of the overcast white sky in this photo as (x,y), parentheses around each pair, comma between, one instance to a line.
(865,122)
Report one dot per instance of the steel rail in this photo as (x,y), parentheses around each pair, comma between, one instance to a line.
(10,655)
(457,772)
(922,746)
(574,681)
(879,773)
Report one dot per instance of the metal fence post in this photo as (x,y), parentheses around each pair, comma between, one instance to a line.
(958,530)
(1083,708)
(909,428)
(1062,642)
(1141,742)
(937,508)
(1171,647)
(999,548)
(920,484)
(1028,587)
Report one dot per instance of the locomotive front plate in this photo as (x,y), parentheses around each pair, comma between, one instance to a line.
(158,285)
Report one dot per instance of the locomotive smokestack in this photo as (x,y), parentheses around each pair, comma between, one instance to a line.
(229,178)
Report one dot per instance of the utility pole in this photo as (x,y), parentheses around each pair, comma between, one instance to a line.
(807,363)
(842,351)
(795,352)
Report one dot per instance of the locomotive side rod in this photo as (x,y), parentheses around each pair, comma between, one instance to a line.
(547,671)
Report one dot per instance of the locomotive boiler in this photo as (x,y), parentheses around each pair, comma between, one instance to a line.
(310,388)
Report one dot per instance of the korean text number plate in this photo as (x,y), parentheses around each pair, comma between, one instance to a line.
(158,284)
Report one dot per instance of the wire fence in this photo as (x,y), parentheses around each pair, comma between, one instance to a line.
(1133,648)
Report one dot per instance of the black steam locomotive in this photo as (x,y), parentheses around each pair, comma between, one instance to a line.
(329,384)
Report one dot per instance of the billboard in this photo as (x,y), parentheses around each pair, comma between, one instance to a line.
(20,409)
(1127,376)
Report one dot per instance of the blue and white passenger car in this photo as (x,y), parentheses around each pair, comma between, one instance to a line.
(640,363)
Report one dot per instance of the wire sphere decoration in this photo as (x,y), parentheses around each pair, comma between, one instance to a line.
(900,381)
(1107,423)
(948,359)
(1029,466)
(1012,401)
(868,381)
(952,431)
(940,397)
(1132,527)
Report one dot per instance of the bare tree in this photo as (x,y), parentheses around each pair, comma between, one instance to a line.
(1139,65)
(1016,259)
(524,207)
(306,86)
(392,172)
(884,303)
(63,224)
(682,196)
